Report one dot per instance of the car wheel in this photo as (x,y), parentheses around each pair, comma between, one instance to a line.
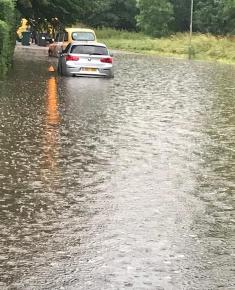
(110,75)
(66,74)
(63,73)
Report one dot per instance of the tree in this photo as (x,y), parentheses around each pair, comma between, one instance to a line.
(181,14)
(228,13)
(155,17)
(208,16)
(119,14)
(67,11)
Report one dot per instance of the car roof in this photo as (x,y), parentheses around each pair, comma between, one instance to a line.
(78,29)
(91,43)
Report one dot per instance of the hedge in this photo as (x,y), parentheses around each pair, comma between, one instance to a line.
(7,34)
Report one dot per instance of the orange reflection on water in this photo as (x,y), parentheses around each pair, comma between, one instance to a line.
(53,117)
(51,130)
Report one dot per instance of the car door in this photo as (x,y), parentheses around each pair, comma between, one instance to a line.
(62,61)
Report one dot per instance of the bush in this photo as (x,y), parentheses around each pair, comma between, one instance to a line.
(7,10)
(155,17)
(4,47)
(7,34)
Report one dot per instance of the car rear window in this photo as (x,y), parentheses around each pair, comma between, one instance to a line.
(83,36)
(89,49)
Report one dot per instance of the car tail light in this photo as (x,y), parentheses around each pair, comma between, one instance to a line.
(71,57)
(107,60)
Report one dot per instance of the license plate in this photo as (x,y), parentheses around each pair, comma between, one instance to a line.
(88,69)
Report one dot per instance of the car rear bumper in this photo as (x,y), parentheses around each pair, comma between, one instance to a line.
(98,73)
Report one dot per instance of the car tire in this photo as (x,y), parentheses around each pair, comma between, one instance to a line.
(61,72)
(110,75)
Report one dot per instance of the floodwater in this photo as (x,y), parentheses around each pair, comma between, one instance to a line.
(118,184)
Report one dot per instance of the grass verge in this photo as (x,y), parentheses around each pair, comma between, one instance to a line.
(204,46)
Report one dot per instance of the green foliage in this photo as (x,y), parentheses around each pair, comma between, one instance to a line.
(109,13)
(155,17)
(7,34)
(67,12)
(43,11)
(208,16)
(216,17)
(205,46)
(181,14)
(4,43)
(228,12)
(6,10)
(119,14)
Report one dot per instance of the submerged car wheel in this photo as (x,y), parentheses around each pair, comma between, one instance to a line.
(61,72)
(110,75)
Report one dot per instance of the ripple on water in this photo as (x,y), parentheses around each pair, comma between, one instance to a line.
(115,184)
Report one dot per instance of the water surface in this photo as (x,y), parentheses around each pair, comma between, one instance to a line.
(118,184)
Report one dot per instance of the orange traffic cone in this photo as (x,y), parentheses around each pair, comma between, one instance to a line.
(51,69)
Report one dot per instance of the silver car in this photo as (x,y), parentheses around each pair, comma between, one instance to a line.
(86,59)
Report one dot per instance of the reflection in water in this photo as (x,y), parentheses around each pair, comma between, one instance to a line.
(53,117)
(51,128)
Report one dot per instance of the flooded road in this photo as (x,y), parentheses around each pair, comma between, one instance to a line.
(118,184)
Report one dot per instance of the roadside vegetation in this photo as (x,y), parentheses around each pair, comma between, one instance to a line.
(7,34)
(205,46)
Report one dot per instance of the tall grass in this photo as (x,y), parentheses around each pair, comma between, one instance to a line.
(205,46)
